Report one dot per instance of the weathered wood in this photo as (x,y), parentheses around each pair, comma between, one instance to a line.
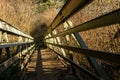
(14,44)
(9,28)
(58,40)
(82,69)
(26,58)
(5,37)
(91,60)
(0,36)
(20,39)
(8,53)
(102,21)
(11,60)
(107,56)
(69,9)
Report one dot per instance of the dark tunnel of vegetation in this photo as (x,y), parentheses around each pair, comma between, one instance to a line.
(38,34)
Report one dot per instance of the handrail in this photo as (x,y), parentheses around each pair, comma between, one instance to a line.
(108,56)
(4,26)
(14,44)
(6,64)
(69,9)
(102,21)
(22,48)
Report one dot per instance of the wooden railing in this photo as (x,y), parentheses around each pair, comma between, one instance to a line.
(59,42)
(19,49)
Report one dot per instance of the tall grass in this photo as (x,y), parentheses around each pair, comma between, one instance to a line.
(23,14)
(20,13)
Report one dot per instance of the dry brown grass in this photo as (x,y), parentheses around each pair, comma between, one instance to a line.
(49,15)
(23,15)
(20,13)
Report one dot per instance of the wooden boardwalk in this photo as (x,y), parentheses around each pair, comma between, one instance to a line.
(44,66)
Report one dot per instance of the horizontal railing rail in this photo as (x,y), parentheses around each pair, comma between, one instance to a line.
(4,26)
(14,51)
(108,56)
(14,44)
(102,21)
(92,75)
(70,8)
(22,49)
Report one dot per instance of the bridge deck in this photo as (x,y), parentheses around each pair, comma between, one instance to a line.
(44,66)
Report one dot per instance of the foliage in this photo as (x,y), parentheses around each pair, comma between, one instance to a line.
(42,24)
(47,4)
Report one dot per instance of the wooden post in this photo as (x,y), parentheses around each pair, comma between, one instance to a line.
(0,36)
(59,42)
(20,39)
(5,37)
(8,53)
(26,40)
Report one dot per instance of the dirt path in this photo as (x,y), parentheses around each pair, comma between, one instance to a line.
(43,66)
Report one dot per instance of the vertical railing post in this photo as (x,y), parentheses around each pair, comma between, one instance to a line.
(20,39)
(4,37)
(0,52)
(0,43)
(8,53)
(59,42)
(0,36)
(92,60)
(70,55)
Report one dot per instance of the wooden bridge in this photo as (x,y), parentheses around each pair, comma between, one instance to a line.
(59,57)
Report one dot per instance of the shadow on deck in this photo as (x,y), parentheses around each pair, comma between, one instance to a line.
(45,66)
